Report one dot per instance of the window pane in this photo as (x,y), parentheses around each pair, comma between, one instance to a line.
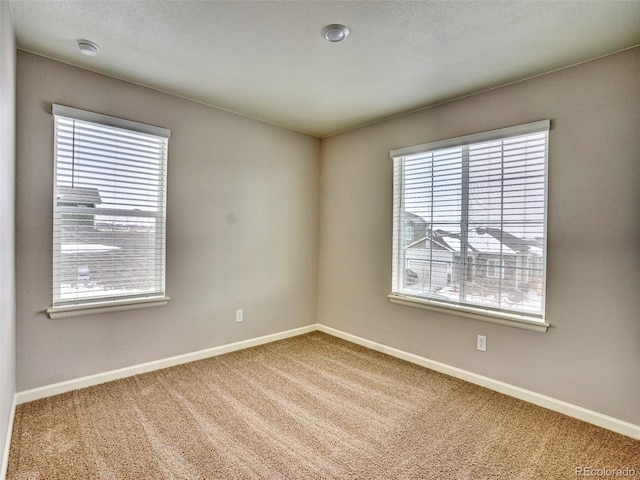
(476,214)
(109,213)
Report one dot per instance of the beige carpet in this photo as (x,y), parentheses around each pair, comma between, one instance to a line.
(310,407)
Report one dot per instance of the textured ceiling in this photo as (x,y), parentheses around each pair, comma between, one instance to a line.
(267,60)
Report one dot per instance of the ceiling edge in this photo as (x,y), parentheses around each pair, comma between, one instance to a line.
(454,99)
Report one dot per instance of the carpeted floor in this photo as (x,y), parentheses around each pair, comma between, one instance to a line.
(309,407)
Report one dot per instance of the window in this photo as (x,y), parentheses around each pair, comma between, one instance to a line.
(109,213)
(479,203)
(494,268)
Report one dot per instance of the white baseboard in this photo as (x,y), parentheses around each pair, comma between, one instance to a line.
(550,403)
(7,445)
(560,406)
(83,382)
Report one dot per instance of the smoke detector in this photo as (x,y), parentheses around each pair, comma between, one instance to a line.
(88,48)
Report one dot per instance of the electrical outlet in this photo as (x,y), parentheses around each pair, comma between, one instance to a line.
(481,343)
(239,316)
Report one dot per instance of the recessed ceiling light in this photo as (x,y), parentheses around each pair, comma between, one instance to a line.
(88,48)
(335,32)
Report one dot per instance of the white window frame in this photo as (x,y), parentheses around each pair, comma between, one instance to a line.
(119,301)
(399,294)
(495,268)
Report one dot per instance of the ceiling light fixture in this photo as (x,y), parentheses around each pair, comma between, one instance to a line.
(335,32)
(88,48)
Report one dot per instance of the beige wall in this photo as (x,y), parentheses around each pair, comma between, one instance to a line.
(242,229)
(7,204)
(590,355)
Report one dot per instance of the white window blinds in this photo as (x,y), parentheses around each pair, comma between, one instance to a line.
(470,222)
(109,209)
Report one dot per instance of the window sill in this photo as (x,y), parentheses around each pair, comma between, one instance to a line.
(513,320)
(104,307)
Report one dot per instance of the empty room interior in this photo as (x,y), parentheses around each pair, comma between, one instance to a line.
(319,239)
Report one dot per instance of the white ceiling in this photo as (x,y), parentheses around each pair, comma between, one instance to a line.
(267,60)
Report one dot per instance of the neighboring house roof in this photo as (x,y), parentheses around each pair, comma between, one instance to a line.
(414,219)
(482,240)
(514,243)
(84,196)
(436,240)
